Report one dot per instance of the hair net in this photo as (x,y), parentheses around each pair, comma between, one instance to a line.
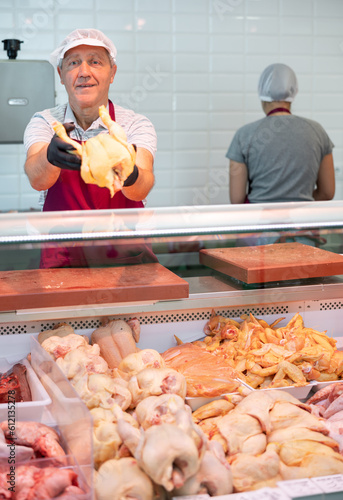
(278,82)
(83,37)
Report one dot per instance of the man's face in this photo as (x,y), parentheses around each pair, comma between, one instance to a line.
(87,75)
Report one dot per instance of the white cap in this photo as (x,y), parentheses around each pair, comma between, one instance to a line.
(91,37)
(278,82)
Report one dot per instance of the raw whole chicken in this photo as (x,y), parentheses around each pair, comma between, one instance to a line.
(169,465)
(59,346)
(242,433)
(146,358)
(107,159)
(122,479)
(98,389)
(214,476)
(155,410)
(82,360)
(156,381)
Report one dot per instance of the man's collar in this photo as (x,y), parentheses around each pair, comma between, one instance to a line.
(70,117)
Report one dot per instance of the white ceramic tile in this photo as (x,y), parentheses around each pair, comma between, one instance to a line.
(330,26)
(328,8)
(191,23)
(191,43)
(328,83)
(156,63)
(123,81)
(159,198)
(262,25)
(226,9)
(191,6)
(226,83)
(296,8)
(67,19)
(328,45)
(125,42)
(120,22)
(328,120)
(191,102)
(163,161)
(190,140)
(9,184)
(191,177)
(186,159)
(9,202)
(9,163)
(195,63)
(117,6)
(328,102)
(190,197)
(154,101)
(154,42)
(187,83)
(296,45)
(227,63)
(226,102)
(221,140)
(153,22)
(257,62)
(63,5)
(153,6)
(163,179)
(296,26)
(262,7)
(161,121)
(165,141)
(230,25)
(326,64)
(222,44)
(226,121)
(262,44)
(191,121)
(6,20)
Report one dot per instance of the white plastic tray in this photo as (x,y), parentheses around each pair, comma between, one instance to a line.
(27,410)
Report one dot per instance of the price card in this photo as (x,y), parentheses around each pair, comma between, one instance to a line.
(300,488)
(269,494)
(329,484)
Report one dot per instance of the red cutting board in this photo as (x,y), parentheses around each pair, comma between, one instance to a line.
(70,287)
(278,262)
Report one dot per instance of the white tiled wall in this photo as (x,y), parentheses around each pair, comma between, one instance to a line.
(192,67)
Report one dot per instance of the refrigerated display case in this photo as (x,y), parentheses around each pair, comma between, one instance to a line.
(177,236)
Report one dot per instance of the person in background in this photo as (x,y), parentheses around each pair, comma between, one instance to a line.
(282,157)
(86,64)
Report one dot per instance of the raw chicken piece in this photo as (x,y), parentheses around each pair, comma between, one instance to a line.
(42,439)
(285,415)
(146,358)
(206,374)
(288,434)
(153,382)
(59,330)
(293,453)
(60,346)
(106,442)
(122,479)
(22,453)
(219,407)
(116,340)
(111,414)
(242,433)
(328,393)
(250,472)
(214,476)
(155,410)
(97,389)
(312,466)
(33,483)
(334,407)
(84,359)
(70,493)
(165,452)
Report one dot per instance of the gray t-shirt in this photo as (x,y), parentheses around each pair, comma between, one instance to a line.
(283,154)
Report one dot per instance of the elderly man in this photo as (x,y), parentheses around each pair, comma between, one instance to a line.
(281,157)
(86,64)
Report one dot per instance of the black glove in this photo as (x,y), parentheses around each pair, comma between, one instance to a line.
(57,152)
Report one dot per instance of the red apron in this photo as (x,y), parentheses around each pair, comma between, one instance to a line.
(70,192)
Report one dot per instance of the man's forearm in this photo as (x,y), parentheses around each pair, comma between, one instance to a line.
(42,175)
(141,188)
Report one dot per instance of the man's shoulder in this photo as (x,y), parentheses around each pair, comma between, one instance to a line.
(250,128)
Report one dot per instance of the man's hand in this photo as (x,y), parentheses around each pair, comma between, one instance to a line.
(57,152)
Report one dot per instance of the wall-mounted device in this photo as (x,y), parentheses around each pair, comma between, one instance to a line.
(26,86)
